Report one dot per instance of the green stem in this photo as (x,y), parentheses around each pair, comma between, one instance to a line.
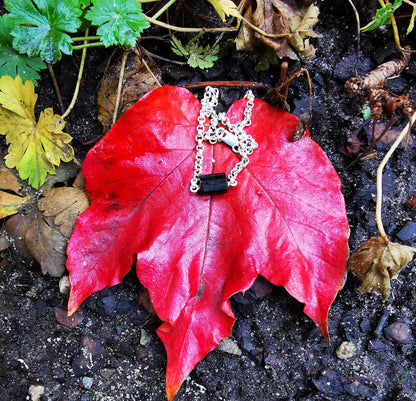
(383,163)
(81,69)
(87,45)
(163,9)
(84,38)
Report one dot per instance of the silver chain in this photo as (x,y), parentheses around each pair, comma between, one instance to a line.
(231,134)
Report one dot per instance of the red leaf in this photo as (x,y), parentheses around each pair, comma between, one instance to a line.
(285,220)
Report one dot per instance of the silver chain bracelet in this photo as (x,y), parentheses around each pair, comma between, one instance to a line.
(221,130)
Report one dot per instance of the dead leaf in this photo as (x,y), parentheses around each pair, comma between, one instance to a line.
(291,21)
(388,137)
(32,235)
(411,203)
(41,229)
(138,80)
(65,204)
(377,262)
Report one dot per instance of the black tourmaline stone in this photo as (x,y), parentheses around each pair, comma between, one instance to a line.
(213,184)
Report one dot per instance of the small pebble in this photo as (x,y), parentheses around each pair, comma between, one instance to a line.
(229,346)
(64,285)
(399,332)
(106,373)
(87,382)
(346,350)
(109,304)
(377,346)
(85,397)
(407,232)
(36,392)
(144,338)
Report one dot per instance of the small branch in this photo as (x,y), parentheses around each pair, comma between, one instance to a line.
(55,84)
(75,95)
(120,84)
(380,176)
(147,66)
(228,84)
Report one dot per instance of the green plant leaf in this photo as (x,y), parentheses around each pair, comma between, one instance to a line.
(42,26)
(120,22)
(11,62)
(197,55)
(382,16)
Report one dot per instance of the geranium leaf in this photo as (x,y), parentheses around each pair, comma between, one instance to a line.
(35,147)
(13,63)
(43,25)
(120,22)
(285,220)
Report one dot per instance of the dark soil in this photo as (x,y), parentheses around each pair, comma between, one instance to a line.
(275,352)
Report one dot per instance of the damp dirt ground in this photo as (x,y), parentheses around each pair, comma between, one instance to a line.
(275,352)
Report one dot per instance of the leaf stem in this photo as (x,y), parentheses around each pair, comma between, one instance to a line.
(120,84)
(379,200)
(75,95)
(87,45)
(220,29)
(163,9)
(84,38)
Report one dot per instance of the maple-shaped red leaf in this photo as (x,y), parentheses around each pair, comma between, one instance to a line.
(285,220)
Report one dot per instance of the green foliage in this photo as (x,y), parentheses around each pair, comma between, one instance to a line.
(367,113)
(42,27)
(382,16)
(268,57)
(197,55)
(120,21)
(13,63)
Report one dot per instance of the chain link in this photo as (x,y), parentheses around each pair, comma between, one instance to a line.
(231,134)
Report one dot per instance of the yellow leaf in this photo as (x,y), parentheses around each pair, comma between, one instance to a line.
(225,8)
(35,147)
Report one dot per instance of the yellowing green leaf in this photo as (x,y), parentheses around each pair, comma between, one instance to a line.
(35,147)
(225,8)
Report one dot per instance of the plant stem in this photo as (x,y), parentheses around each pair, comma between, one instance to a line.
(55,84)
(221,29)
(75,95)
(380,176)
(120,84)
(357,19)
(87,45)
(163,9)
(84,38)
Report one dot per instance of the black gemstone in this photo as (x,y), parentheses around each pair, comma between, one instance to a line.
(212,184)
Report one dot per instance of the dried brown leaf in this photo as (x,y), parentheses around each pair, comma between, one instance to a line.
(294,23)
(34,235)
(41,229)
(137,81)
(377,262)
(65,204)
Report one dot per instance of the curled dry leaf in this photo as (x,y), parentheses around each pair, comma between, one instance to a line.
(138,80)
(293,23)
(377,262)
